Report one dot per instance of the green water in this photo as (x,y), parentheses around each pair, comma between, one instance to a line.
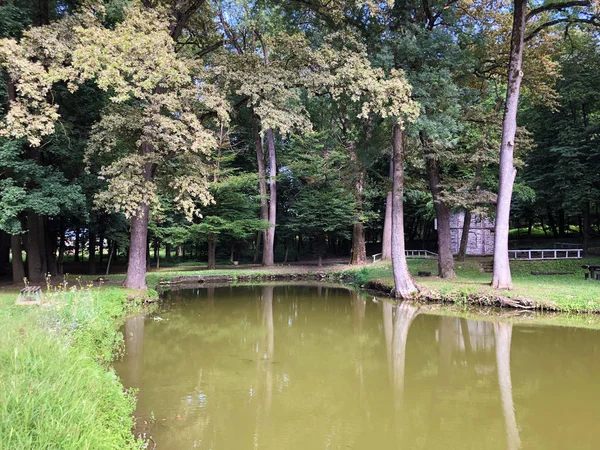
(307,367)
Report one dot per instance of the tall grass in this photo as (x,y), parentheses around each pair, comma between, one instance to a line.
(57,390)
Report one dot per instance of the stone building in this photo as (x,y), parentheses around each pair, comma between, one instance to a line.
(481,234)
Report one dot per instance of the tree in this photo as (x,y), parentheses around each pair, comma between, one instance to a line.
(502,278)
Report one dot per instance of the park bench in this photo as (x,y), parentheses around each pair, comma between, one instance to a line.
(594,271)
(30,295)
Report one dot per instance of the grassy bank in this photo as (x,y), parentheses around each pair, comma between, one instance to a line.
(57,389)
(569,293)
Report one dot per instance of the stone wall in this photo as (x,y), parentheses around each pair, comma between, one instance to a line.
(481,235)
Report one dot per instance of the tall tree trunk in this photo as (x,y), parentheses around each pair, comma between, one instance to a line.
(136,267)
(442,212)
(212,247)
(35,246)
(587,227)
(359,249)
(262,184)
(269,240)
(502,278)
(464,239)
(92,253)
(18,269)
(403,282)
(386,244)
(167,251)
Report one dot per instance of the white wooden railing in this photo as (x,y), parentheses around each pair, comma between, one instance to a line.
(426,254)
(420,254)
(537,254)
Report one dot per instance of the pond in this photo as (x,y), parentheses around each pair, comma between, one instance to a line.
(279,367)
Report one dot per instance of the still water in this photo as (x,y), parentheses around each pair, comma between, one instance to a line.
(316,367)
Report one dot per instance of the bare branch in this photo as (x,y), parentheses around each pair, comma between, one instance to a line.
(557,7)
(568,20)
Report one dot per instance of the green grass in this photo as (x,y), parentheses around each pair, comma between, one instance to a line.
(57,389)
(561,292)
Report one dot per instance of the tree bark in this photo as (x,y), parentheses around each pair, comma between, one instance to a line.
(442,212)
(386,244)
(502,278)
(262,185)
(34,249)
(269,240)
(167,251)
(464,239)
(101,249)
(403,282)
(18,269)
(212,246)
(359,249)
(136,267)
(92,253)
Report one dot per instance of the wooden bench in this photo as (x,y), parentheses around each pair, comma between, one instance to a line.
(30,295)
(594,272)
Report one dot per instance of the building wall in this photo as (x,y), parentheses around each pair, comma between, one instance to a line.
(481,235)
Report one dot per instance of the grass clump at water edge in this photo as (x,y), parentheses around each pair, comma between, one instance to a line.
(57,389)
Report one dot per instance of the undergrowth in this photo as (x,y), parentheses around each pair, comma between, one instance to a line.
(57,389)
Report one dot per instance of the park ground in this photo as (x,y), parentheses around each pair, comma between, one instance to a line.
(58,388)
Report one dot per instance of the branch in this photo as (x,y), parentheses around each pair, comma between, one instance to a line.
(557,7)
(569,20)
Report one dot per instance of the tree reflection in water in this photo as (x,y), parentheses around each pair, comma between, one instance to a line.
(503,337)
(406,312)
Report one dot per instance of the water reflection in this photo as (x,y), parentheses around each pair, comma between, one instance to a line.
(347,372)
(503,337)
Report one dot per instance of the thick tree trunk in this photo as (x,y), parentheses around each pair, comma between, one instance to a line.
(386,244)
(269,240)
(92,253)
(403,282)
(18,269)
(212,246)
(502,278)
(359,249)
(136,267)
(442,212)
(464,239)
(167,251)
(262,185)
(35,246)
